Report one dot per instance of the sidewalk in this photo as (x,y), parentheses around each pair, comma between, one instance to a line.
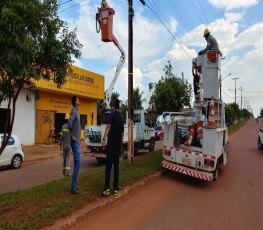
(39,152)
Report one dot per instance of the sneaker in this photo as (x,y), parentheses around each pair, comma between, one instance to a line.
(66,173)
(106,192)
(115,193)
(74,191)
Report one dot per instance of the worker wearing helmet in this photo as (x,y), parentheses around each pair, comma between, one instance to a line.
(211,43)
(65,142)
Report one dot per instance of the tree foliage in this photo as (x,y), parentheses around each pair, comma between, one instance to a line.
(35,44)
(233,112)
(261,112)
(170,92)
(137,99)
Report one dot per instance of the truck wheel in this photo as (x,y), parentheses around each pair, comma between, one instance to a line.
(260,147)
(151,146)
(101,161)
(215,174)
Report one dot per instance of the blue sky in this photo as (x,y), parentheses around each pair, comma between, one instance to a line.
(236,24)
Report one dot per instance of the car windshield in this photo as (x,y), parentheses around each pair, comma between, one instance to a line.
(158,128)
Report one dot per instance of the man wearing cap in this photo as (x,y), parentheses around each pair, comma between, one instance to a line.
(65,143)
(211,43)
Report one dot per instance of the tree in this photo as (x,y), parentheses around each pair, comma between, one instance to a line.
(35,44)
(261,112)
(170,93)
(137,98)
(101,108)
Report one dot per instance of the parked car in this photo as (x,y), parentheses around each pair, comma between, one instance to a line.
(260,140)
(159,132)
(13,153)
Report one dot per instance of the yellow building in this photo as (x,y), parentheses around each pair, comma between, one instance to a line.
(54,103)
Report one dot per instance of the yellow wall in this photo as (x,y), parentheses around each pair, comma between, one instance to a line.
(81,83)
(51,103)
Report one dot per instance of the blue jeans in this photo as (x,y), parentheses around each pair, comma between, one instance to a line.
(76,155)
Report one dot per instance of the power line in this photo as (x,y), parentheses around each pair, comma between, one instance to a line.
(65,2)
(197,12)
(162,22)
(203,11)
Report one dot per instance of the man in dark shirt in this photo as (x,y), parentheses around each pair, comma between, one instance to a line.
(114,134)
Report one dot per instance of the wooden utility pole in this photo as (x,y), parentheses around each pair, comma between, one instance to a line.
(130,84)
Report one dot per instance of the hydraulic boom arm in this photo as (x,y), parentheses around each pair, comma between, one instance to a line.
(108,92)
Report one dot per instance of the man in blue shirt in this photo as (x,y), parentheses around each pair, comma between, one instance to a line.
(114,134)
(74,128)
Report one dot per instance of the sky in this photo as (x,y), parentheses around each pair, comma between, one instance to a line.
(236,24)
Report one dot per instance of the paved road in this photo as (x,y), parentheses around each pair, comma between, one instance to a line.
(175,201)
(37,173)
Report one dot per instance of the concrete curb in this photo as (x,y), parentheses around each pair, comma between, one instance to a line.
(96,205)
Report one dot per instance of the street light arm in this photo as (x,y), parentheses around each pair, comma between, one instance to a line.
(226,77)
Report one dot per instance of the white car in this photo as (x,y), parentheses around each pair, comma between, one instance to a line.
(13,153)
(260,140)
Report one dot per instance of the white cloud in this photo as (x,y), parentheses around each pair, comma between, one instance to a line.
(233,17)
(233,4)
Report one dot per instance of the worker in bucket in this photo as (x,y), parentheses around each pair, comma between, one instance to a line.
(212,43)
(65,144)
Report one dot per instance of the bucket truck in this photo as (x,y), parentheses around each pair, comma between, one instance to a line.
(197,145)
(143,132)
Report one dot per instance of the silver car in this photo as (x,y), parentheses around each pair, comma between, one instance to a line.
(260,140)
(13,153)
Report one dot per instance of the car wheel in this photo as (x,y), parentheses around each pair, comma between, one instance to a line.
(260,147)
(16,161)
(151,146)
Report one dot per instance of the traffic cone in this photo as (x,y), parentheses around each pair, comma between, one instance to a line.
(211,118)
(199,130)
(191,135)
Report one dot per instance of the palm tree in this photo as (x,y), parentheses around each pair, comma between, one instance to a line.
(137,99)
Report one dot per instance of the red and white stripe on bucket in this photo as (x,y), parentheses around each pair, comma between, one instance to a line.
(185,171)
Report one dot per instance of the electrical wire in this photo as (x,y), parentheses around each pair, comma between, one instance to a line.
(197,12)
(65,2)
(203,11)
(165,26)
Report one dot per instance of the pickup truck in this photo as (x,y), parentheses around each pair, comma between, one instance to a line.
(143,136)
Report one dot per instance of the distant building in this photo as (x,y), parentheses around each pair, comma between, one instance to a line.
(34,119)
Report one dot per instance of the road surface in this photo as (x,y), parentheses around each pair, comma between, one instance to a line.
(175,201)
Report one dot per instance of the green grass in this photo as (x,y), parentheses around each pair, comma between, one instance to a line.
(236,127)
(42,205)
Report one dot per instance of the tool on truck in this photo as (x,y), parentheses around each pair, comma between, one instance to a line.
(197,145)
(143,133)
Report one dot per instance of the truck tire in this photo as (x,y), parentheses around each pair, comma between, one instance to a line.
(151,145)
(260,147)
(215,173)
(100,160)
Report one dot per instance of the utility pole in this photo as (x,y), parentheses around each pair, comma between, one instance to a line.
(241,89)
(235,79)
(130,84)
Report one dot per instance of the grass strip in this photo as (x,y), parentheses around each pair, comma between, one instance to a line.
(236,127)
(41,206)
